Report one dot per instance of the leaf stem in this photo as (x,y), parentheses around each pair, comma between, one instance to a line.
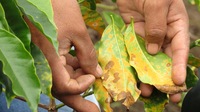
(103,6)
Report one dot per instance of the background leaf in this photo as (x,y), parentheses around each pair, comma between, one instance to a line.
(19,67)
(16,22)
(40,13)
(118,75)
(117,18)
(151,69)
(156,102)
(191,78)
(193,61)
(93,19)
(8,86)
(3,21)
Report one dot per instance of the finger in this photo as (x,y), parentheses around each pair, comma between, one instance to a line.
(73,31)
(78,103)
(175,97)
(178,31)
(180,49)
(86,54)
(155,13)
(71,60)
(146,89)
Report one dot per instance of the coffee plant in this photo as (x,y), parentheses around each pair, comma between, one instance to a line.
(25,73)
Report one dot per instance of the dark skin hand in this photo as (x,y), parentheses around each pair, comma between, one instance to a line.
(164,26)
(71,76)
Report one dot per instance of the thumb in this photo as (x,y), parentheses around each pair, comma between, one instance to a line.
(155,13)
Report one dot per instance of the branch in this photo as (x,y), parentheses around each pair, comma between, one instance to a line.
(39,105)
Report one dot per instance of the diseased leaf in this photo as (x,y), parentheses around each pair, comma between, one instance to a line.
(156,102)
(193,61)
(16,22)
(102,96)
(91,4)
(42,69)
(93,19)
(151,69)
(118,75)
(191,78)
(19,67)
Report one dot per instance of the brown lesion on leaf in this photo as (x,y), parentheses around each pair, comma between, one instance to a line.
(108,100)
(146,68)
(121,95)
(105,76)
(116,77)
(128,98)
(133,57)
(109,65)
(168,64)
(171,89)
(112,93)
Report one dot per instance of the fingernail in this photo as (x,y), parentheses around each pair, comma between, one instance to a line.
(152,48)
(99,70)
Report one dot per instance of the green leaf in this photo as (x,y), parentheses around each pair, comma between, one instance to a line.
(18,65)
(16,22)
(151,69)
(117,18)
(191,78)
(42,69)
(93,19)
(193,61)
(41,14)
(195,2)
(114,1)
(102,96)
(196,43)
(156,102)
(118,75)
(8,86)
(3,22)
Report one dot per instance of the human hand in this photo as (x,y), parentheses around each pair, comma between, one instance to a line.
(71,75)
(164,26)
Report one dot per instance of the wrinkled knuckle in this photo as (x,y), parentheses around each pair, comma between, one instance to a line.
(81,31)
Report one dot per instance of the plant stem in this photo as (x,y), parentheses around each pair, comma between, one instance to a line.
(103,6)
(60,106)
(52,105)
(39,105)
(87,94)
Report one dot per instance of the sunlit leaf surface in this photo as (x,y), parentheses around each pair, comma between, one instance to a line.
(118,75)
(102,96)
(152,69)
